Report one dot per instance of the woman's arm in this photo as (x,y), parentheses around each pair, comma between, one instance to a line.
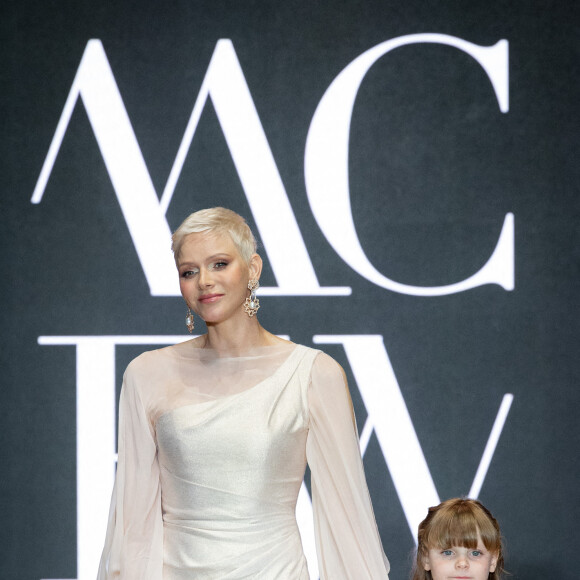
(134,542)
(347,539)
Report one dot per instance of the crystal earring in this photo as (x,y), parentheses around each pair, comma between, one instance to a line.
(252,304)
(189,322)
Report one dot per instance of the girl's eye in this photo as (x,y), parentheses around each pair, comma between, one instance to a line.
(476,553)
(447,552)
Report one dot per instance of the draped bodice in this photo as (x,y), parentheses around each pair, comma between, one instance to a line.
(230,470)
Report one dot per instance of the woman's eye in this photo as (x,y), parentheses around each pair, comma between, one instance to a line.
(188,273)
(220,265)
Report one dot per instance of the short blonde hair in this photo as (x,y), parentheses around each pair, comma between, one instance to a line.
(218,220)
(458,522)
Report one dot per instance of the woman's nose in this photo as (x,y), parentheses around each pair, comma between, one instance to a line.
(205,278)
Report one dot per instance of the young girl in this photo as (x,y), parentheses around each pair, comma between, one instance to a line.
(459,539)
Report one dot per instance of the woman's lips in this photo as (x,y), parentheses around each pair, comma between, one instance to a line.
(206,298)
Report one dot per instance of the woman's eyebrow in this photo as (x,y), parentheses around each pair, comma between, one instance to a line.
(208,259)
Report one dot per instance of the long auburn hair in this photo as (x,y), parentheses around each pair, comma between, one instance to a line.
(458,522)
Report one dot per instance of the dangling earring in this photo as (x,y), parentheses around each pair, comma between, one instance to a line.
(252,304)
(189,321)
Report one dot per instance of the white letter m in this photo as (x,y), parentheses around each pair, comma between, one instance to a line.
(142,209)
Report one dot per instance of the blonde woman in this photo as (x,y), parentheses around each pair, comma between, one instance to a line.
(215,434)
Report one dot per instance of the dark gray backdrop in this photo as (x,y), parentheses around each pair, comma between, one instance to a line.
(434,167)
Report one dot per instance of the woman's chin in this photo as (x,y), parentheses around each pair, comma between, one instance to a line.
(215,319)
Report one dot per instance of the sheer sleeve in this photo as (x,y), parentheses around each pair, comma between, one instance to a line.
(347,539)
(134,541)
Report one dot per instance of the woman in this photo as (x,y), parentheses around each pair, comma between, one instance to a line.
(215,433)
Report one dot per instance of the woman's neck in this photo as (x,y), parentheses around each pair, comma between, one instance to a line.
(237,339)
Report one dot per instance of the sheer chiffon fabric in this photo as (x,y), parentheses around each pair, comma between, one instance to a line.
(212,453)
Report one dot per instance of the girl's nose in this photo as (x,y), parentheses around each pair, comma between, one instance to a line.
(462,562)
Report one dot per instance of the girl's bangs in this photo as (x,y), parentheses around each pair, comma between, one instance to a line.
(462,529)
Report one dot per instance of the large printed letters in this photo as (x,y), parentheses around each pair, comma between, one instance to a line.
(144,214)
(326,169)
(326,166)
(388,416)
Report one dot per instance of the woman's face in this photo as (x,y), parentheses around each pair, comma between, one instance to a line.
(459,563)
(213,277)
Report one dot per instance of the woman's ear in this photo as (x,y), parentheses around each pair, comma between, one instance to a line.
(255,267)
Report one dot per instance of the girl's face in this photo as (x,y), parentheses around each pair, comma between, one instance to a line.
(459,563)
(213,276)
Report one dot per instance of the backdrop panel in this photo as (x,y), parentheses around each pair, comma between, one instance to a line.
(410,173)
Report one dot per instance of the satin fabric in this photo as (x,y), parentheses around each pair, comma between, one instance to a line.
(212,453)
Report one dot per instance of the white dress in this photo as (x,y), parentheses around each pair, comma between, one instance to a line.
(212,453)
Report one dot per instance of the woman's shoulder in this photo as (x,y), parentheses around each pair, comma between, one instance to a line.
(323,365)
(328,380)
(164,357)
